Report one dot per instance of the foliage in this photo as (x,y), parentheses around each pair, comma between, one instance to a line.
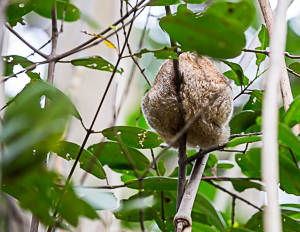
(37,118)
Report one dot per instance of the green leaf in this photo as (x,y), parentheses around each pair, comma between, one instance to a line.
(15,11)
(98,199)
(264,40)
(133,136)
(295,67)
(238,230)
(194,1)
(72,12)
(39,88)
(111,153)
(256,223)
(11,61)
(247,139)
(292,115)
(14,22)
(204,205)
(163,2)
(290,209)
(164,53)
(249,163)
(96,62)
(255,101)
(289,175)
(39,185)
(87,160)
(161,167)
(129,209)
(197,227)
(225,164)
(287,138)
(211,161)
(29,131)
(241,185)
(239,77)
(219,32)
(159,183)
(243,120)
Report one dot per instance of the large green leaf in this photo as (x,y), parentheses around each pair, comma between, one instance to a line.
(219,32)
(239,78)
(163,2)
(87,160)
(11,61)
(39,185)
(241,185)
(243,120)
(97,198)
(133,136)
(17,9)
(295,66)
(72,13)
(249,163)
(204,205)
(289,175)
(247,139)
(292,115)
(111,153)
(159,183)
(225,164)
(194,1)
(287,138)
(264,41)
(129,209)
(96,62)
(30,131)
(256,223)
(290,209)
(238,230)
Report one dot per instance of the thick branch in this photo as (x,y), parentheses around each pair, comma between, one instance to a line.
(182,139)
(183,215)
(276,73)
(285,86)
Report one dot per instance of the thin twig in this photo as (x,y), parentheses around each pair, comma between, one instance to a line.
(218,147)
(133,69)
(292,72)
(233,211)
(61,56)
(233,195)
(287,54)
(292,154)
(51,66)
(24,41)
(63,17)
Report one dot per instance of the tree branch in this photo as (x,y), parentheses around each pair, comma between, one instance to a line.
(183,217)
(285,86)
(275,75)
(25,42)
(233,195)
(51,66)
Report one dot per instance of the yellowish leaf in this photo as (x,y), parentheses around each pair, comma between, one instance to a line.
(107,42)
